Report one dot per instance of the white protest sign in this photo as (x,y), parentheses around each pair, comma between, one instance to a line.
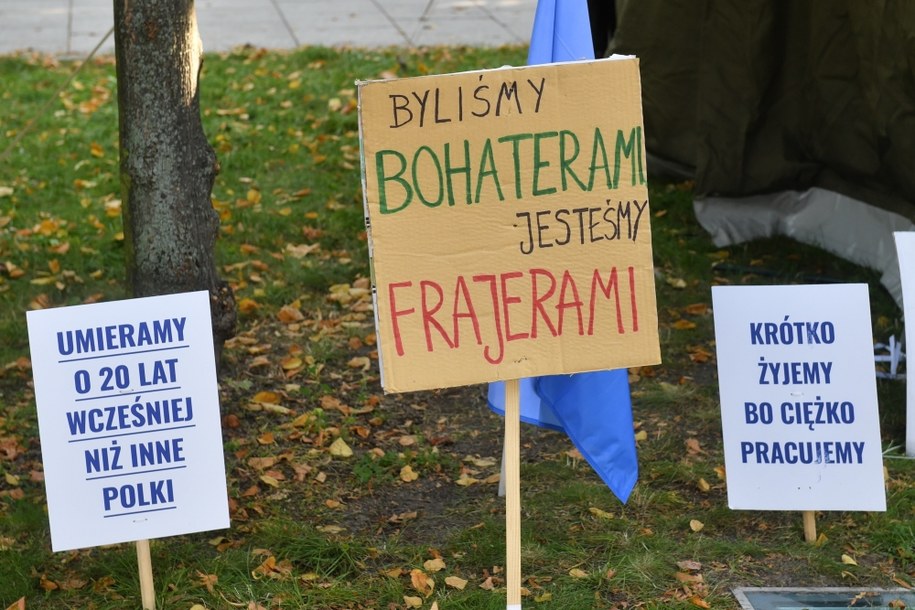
(798,397)
(905,250)
(128,413)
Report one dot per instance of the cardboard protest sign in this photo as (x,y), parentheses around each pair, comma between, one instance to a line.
(128,414)
(508,223)
(798,397)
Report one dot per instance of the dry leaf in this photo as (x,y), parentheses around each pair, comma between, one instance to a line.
(421,582)
(688,578)
(455,582)
(18,604)
(339,448)
(682,324)
(602,514)
(407,474)
(703,485)
(698,601)
(848,560)
(578,573)
(207,580)
(696,525)
(434,565)
(412,601)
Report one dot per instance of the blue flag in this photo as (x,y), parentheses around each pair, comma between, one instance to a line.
(593,409)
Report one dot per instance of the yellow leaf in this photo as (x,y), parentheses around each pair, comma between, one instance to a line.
(434,565)
(696,525)
(360,362)
(456,582)
(578,573)
(292,363)
(601,514)
(11,479)
(96,150)
(421,582)
(684,324)
(339,448)
(266,396)
(247,306)
(698,601)
(289,314)
(641,435)
(545,597)
(466,480)
(271,481)
(254,196)
(412,601)
(407,474)
(848,560)
(676,282)
(703,485)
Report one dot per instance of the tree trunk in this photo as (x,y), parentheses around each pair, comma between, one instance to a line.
(167,165)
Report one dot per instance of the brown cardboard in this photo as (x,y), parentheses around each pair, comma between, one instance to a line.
(509,224)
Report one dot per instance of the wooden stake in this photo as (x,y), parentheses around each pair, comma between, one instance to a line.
(144,564)
(810,526)
(512,463)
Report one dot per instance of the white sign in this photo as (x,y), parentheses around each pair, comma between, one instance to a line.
(905,250)
(128,413)
(798,397)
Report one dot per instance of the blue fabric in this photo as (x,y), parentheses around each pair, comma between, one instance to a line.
(593,409)
(562,32)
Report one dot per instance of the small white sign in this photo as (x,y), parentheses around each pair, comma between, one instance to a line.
(798,397)
(905,251)
(128,414)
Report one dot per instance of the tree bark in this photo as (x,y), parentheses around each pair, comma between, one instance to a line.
(167,165)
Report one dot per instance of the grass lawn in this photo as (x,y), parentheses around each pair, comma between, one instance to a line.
(411,518)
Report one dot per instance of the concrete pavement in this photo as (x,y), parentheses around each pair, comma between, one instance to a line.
(72,28)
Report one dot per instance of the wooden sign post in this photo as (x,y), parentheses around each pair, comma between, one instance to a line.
(509,232)
(128,414)
(798,399)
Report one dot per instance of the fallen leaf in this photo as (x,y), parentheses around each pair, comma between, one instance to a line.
(339,448)
(688,578)
(696,525)
(848,560)
(456,582)
(412,601)
(360,362)
(578,573)
(289,314)
(434,565)
(602,514)
(703,485)
(698,601)
(676,282)
(207,580)
(683,324)
(407,474)
(421,582)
